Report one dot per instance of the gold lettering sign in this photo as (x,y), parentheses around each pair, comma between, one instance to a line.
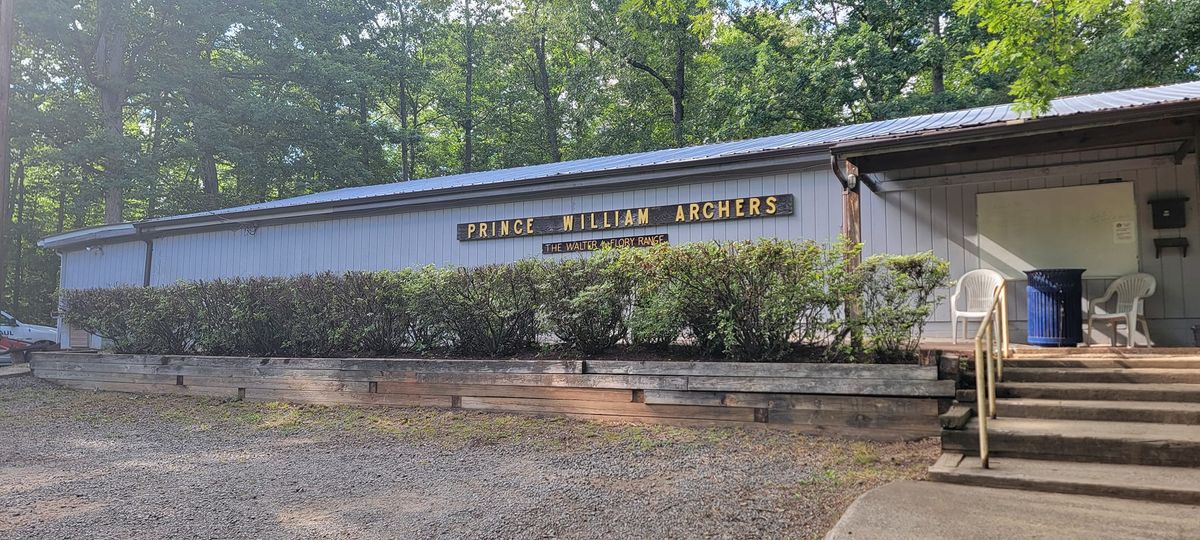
(571,246)
(628,218)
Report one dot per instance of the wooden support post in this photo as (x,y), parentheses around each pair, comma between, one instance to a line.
(851,208)
(852,217)
(851,232)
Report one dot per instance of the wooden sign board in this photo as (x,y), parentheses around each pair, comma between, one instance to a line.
(628,218)
(597,244)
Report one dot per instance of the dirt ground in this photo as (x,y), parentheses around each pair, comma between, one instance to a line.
(105,465)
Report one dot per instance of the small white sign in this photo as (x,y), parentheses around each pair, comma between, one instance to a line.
(1123,232)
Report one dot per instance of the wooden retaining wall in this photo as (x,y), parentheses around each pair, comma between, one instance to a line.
(864,401)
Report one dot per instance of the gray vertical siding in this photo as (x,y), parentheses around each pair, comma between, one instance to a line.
(111,265)
(429,236)
(942,219)
(939,219)
(107,266)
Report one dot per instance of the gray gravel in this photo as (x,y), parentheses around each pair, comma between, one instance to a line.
(104,465)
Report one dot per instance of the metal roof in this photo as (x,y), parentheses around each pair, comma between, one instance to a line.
(815,140)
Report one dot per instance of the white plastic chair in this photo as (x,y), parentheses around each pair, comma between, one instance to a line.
(1130,290)
(979,286)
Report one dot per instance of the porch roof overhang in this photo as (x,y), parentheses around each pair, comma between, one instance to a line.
(1163,123)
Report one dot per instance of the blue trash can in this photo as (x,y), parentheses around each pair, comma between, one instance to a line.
(1054,297)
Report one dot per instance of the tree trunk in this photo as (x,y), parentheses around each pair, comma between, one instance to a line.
(937,73)
(19,251)
(364,116)
(677,92)
(111,81)
(208,174)
(60,213)
(6,44)
(468,113)
(405,143)
(549,111)
(412,146)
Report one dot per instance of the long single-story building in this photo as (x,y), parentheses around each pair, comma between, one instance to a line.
(984,188)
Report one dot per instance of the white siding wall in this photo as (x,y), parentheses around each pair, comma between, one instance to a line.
(942,219)
(106,266)
(111,265)
(429,237)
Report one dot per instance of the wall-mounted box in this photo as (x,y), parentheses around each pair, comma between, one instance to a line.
(1169,213)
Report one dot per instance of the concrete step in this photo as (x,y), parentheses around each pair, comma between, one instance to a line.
(938,511)
(1137,482)
(1132,443)
(1158,412)
(1167,362)
(1102,352)
(1189,393)
(1102,375)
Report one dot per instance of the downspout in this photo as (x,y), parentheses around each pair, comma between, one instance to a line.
(149,263)
(847,183)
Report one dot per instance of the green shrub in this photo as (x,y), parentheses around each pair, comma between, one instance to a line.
(689,287)
(585,301)
(358,313)
(654,319)
(489,310)
(132,319)
(757,301)
(378,306)
(423,289)
(245,317)
(747,301)
(898,295)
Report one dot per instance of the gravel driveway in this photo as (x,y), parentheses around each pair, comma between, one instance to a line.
(105,465)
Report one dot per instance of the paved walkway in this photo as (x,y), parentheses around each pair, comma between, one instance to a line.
(928,511)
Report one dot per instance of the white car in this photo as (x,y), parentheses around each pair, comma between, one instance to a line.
(32,334)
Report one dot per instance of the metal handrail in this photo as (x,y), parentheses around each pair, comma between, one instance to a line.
(991,348)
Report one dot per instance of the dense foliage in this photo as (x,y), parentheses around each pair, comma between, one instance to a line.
(131,109)
(746,301)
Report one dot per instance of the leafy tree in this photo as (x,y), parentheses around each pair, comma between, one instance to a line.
(1040,41)
(144,108)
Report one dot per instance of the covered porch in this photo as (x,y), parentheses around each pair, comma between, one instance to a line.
(942,192)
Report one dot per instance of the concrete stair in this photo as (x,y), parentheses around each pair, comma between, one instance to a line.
(1187,393)
(1168,362)
(1162,412)
(1140,482)
(1102,375)
(1136,443)
(1109,425)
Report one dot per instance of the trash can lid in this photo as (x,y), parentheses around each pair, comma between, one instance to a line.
(1048,271)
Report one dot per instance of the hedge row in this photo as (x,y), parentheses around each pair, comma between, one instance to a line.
(746,301)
